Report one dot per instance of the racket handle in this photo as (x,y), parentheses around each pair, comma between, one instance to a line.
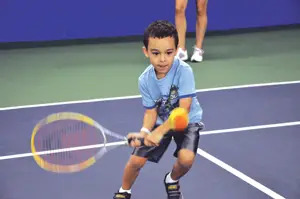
(140,139)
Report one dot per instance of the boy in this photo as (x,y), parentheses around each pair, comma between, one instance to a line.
(166,84)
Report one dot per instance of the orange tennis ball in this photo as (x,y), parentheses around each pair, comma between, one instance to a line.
(179,119)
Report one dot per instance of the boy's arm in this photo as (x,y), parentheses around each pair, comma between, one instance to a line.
(186,103)
(157,134)
(150,114)
(149,121)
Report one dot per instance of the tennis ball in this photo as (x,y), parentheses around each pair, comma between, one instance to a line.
(179,119)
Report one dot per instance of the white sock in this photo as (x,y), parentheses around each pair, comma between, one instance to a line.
(121,190)
(169,179)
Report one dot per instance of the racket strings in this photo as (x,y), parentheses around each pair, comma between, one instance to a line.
(70,142)
(65,134)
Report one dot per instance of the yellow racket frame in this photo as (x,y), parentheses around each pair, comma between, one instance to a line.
(55,167)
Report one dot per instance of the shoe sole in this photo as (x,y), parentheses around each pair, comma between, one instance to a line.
(193,60)
(180,197)
(184,59)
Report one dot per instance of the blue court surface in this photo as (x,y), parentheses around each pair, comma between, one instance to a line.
(249,149)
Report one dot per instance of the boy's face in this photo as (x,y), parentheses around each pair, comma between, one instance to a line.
(161,52)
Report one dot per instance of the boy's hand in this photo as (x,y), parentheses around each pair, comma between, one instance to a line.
(152,139)
(135,139)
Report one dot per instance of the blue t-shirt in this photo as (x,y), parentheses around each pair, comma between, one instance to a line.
(164,94)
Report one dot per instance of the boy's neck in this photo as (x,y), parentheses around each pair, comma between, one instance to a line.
(160,76)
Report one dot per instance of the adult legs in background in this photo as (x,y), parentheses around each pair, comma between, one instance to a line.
(181,26)
(201,26)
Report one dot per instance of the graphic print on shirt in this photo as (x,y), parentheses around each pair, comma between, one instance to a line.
(166,104)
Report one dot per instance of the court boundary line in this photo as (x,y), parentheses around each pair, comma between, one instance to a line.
(239,174)
(22,155)
(249,128)
(85,147)
(138,96)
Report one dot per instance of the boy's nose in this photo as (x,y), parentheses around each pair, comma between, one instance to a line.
(162,58)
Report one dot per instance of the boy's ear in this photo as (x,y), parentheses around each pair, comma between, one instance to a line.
(145,51)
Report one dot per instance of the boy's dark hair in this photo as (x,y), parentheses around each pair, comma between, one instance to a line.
(160,29)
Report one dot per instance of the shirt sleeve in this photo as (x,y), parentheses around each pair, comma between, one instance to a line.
(186,86)
(147,101)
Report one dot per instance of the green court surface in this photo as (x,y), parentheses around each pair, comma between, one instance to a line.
(79,72)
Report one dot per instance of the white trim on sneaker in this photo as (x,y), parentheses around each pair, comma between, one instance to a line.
(182,54)
(197,54)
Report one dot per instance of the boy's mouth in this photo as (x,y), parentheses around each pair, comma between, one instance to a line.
(162,66)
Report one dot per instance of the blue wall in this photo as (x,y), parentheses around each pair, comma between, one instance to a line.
(44,20)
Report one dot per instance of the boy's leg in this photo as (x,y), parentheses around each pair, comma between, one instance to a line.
(181,167)
(187,145)
(180,21)
(132,170)
(137,160)
(183,164)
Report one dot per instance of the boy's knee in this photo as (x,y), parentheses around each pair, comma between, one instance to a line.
(186,158)
(136,162)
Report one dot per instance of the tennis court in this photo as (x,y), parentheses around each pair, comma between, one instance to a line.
(258,161)
(248,87)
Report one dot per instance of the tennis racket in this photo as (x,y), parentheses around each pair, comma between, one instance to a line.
(68,142)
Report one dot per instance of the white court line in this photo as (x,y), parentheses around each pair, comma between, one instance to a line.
(248,128)
(240,175)
(138,96)
(22,155)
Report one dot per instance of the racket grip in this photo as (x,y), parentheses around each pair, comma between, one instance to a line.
(140,139)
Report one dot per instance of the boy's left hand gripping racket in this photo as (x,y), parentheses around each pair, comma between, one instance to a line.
(70,142)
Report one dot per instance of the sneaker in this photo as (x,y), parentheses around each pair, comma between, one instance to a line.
(124,195)
(197,55)
(182,54)
(172,189)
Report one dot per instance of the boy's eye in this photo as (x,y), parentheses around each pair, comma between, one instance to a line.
(155,53)
(169,53)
